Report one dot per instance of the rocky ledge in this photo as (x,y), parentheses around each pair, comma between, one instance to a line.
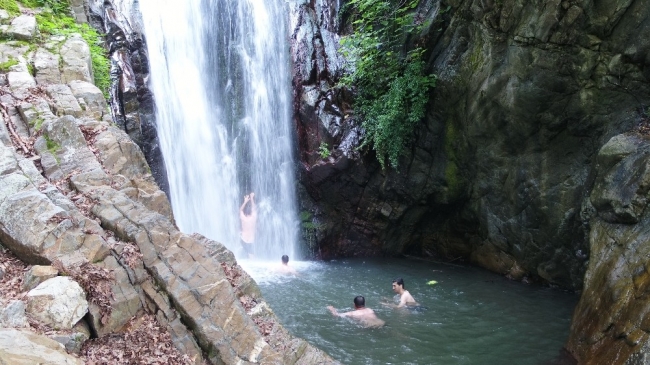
(78,203)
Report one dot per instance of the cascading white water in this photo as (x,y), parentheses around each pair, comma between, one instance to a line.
(220,77)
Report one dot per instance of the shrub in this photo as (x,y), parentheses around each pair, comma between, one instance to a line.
(392,87)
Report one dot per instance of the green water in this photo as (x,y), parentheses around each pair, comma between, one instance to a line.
(471,316)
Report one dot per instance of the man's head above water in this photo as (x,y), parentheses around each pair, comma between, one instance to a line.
(397,284)
(359,301)
(285,259)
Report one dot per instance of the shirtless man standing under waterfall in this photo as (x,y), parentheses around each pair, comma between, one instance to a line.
(248,218)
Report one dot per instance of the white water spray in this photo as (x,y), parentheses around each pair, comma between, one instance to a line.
(220,77)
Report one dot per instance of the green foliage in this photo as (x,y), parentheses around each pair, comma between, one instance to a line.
(52,146)
(58,7)
(38,124)
(392,86)
(5,66)
(324,150)
(55,22)
(10,6)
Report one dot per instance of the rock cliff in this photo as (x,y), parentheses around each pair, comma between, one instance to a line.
(531,161)
(499,171)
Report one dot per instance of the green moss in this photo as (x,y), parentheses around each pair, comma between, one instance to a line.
(10,6)
(38,124)
(476,58)
(53,23)
(304,216)
(52,146)
(452,175)
(5,66)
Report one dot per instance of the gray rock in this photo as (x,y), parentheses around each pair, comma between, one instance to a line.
(12,314)
(46,66)
(74,339)
(76,63)
(23,27)
(65,102)
(59,302)
(93,99)
(38,274)
(23,347)
(20,82)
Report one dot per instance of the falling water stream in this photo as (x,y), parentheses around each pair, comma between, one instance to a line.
(220,76)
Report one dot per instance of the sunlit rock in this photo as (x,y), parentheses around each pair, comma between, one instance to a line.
(59,302)
(23,347)
(38,274)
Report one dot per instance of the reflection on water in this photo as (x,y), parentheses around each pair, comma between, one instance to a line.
(471,316)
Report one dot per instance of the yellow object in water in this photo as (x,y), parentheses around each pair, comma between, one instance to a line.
(432,282)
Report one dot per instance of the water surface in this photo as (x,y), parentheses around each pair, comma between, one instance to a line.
(471,316)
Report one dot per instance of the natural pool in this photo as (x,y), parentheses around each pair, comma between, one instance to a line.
(472,316)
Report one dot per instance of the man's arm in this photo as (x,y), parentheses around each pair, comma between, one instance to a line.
(253,205)
(333,310)
(246,199)
(336,313)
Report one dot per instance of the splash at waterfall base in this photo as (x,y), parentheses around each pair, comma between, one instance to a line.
(76,190)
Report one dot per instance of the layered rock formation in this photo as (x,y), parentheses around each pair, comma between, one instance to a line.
(520,165)
(498,172)
(75,190)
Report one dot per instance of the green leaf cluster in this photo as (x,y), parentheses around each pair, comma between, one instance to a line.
(391,82)
(324,150)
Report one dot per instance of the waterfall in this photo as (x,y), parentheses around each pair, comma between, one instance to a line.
(221,82)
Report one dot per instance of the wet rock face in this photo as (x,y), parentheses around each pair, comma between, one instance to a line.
(498,172)
(609,324)
(132,103)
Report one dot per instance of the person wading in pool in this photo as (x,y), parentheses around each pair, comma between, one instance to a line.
(248,218)
(405,298)
(365,316)
(285,268)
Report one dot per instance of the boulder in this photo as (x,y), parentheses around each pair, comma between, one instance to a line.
(76,63)
(59,302)
(23,347)
(12,314)
(46,67)
(23,27)
(65,102)
(74,339)
(91,97)
(38,274)
(20,82)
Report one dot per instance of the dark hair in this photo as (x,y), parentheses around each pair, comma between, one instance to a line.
(399,281)
(248,209)
(285,258)
(359,301)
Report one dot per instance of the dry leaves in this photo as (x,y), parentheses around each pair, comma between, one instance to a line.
(95,281)
(130,253)
(232,273)
(12,271)
(144,342)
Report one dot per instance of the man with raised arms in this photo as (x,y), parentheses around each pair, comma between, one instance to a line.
(248,219)
(365,316)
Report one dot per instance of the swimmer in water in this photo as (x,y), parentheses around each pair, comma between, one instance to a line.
(285,268)
(405,298)
(365,316)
